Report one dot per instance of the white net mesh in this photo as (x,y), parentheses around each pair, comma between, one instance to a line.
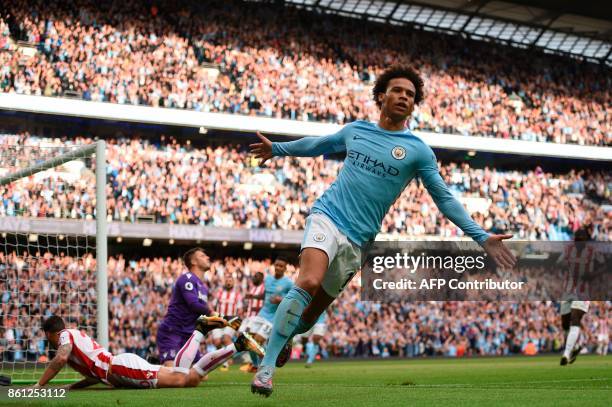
(45,268)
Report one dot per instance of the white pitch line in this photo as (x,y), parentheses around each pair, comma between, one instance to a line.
(509,383)
(459,385)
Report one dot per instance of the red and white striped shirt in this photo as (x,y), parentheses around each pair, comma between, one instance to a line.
(578,265)
(254,304)
(87,356)
(603,327)
(228,302)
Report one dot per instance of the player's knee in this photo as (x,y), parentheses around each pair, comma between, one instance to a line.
(310,284)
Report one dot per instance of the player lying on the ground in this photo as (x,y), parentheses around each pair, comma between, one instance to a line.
(86,356)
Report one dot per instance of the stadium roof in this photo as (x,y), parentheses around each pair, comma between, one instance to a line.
(555,26)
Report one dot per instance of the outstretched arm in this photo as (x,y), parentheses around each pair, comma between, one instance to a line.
(86,382)
(304,147)
(456,213)
(56,364)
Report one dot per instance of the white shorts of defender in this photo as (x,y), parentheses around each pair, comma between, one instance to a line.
(344,256)
(130,370)
(221,332)
(317,329)
(570,302)
(257,325)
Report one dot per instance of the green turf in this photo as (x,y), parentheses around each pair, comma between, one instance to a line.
(31,376)
(519,381)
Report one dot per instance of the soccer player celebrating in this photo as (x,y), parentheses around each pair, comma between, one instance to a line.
(188,302)
(98,365)
(381,159)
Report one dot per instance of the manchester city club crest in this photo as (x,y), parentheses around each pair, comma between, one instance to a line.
(398,153)
(318,237)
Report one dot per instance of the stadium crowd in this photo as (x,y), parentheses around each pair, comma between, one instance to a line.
(139,292)
(259,59)
(222,186)
(279,62)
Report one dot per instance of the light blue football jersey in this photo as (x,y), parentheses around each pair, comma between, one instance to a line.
(379,164)
(274,287)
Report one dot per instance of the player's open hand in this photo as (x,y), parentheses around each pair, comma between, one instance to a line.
(503,257)
(262,150)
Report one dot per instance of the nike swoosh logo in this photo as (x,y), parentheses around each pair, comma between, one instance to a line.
(291,313)
(358,138)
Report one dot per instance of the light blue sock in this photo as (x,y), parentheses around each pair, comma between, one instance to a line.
(311,351)
(254,358)
(286,320)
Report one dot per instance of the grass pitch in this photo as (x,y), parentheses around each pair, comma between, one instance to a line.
(515,381)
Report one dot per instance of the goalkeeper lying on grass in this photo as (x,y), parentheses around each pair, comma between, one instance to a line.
(98,365)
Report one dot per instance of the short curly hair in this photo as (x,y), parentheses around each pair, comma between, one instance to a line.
(398,71)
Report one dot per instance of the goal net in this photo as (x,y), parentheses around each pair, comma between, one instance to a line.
(52,249)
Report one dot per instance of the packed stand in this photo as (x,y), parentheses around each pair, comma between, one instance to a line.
(223,186)
(140,289)
(272,61)
(454,329)
(5,38)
